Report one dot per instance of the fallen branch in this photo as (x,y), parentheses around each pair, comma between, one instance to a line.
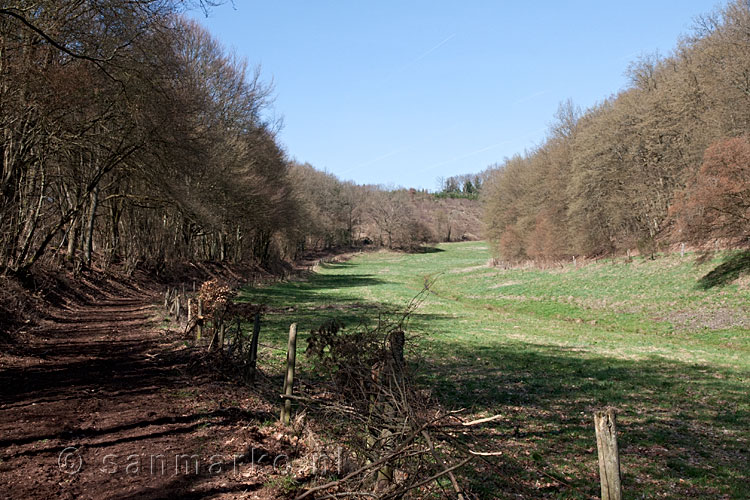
(349,494)
(437,476)
(482,421)
(357,472)
(486,453)
(442,463)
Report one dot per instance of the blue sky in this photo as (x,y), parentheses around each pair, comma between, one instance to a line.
(403,92)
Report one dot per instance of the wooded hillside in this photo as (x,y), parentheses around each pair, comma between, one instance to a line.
(665,160)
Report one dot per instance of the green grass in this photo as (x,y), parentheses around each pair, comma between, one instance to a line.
(544,348)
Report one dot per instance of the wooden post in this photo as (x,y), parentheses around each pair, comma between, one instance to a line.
(213,339)
(291,357)
(199,330)
(177,308)
(394,371)
(222,332)
(682,250)
(189,309)
(217,339)
(609,455)
(239,334)
(166,300)
(253,360)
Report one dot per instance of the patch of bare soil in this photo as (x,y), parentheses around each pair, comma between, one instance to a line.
(712,318)
(100,403)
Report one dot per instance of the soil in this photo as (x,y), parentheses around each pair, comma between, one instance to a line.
(99,402)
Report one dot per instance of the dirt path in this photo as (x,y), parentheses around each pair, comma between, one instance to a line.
(103,404)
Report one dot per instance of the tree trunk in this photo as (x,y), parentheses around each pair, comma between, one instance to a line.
(72,240)
(115,213)
(90,226)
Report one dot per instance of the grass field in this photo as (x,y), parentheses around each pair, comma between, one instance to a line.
(544,348)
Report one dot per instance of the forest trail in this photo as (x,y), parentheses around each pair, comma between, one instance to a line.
(104,404)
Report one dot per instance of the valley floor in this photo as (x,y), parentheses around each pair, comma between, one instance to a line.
(545,348)
(100,389)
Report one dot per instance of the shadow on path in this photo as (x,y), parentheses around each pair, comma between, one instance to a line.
(103,380)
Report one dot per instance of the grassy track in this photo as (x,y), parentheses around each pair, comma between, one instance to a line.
(546,347)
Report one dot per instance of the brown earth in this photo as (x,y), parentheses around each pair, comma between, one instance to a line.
(101,403)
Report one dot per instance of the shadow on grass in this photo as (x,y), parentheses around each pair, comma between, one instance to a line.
(732,268)
(424,249)
(337,265)
(680,423)
(302,292)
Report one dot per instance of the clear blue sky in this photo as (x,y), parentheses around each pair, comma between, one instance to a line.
(402,92)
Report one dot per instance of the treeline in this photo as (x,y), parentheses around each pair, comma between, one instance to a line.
(130,137)
(665,160)
(462,186)
(335,213)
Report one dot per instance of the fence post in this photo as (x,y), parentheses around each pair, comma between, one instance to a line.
(199,330)
(238,340)
(291,356)
(394,371)
(253,361)
(609,455)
